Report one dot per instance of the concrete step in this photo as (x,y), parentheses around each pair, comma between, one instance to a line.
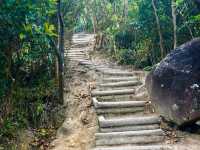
(75,52)
(119,111)
(128,121)
(101,68)
(76,55)
(123,73)
(147,147)
(72,54)
(117,73)
(81,58)
(128,97)
(85,63)
(113,92)
(135,140)
(119,107)
(121,84)
(116,79)
(108,67)
(130,128)
(120,104)
(109,135)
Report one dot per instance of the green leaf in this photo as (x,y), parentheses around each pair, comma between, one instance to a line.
(22,36)
(49,29)
(28,28)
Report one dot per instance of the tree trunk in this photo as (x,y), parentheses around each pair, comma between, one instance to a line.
(60,52)
(94,22)
(159,29)
(188,27)
(173,6)
(7,105)
(125,10)
(92,15)
(56,69)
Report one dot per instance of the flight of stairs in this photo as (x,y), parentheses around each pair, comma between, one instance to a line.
(125,119)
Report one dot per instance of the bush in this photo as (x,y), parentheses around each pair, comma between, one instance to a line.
(125,56)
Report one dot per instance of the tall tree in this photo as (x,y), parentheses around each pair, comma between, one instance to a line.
(159,29)
(60,51)
(173,7)
(125,10)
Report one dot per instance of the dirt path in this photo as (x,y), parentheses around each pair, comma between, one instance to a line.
(77,131)
(108,107)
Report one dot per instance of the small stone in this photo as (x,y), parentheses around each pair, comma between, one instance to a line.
(175,107)
(198,122)
(194,86)
(84,118)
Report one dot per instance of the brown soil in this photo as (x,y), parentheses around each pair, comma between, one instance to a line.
(187,141)
(77,132)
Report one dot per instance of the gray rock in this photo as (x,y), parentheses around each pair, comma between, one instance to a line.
(174,84)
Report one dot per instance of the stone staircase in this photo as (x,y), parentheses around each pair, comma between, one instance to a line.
(124,114)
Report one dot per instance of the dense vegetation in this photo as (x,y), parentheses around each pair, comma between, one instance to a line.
(31,60)
(141,32)
(134,32)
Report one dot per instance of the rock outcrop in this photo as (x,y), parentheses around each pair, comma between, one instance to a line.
(174,84)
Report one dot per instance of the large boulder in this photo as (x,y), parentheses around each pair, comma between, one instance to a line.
(174,84)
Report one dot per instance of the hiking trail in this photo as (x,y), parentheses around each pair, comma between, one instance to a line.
(108,106)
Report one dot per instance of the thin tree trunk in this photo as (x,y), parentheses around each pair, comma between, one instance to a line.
(173,7)
(188,27)
(56,69)
(7,103)
(60,52)
(125,10)
(92,15)
(94,22)
(190,31)
(159,29)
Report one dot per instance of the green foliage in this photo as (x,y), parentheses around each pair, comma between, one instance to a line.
(28,29)
(3,82)
(138,33)
(28,85)
(125,56)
